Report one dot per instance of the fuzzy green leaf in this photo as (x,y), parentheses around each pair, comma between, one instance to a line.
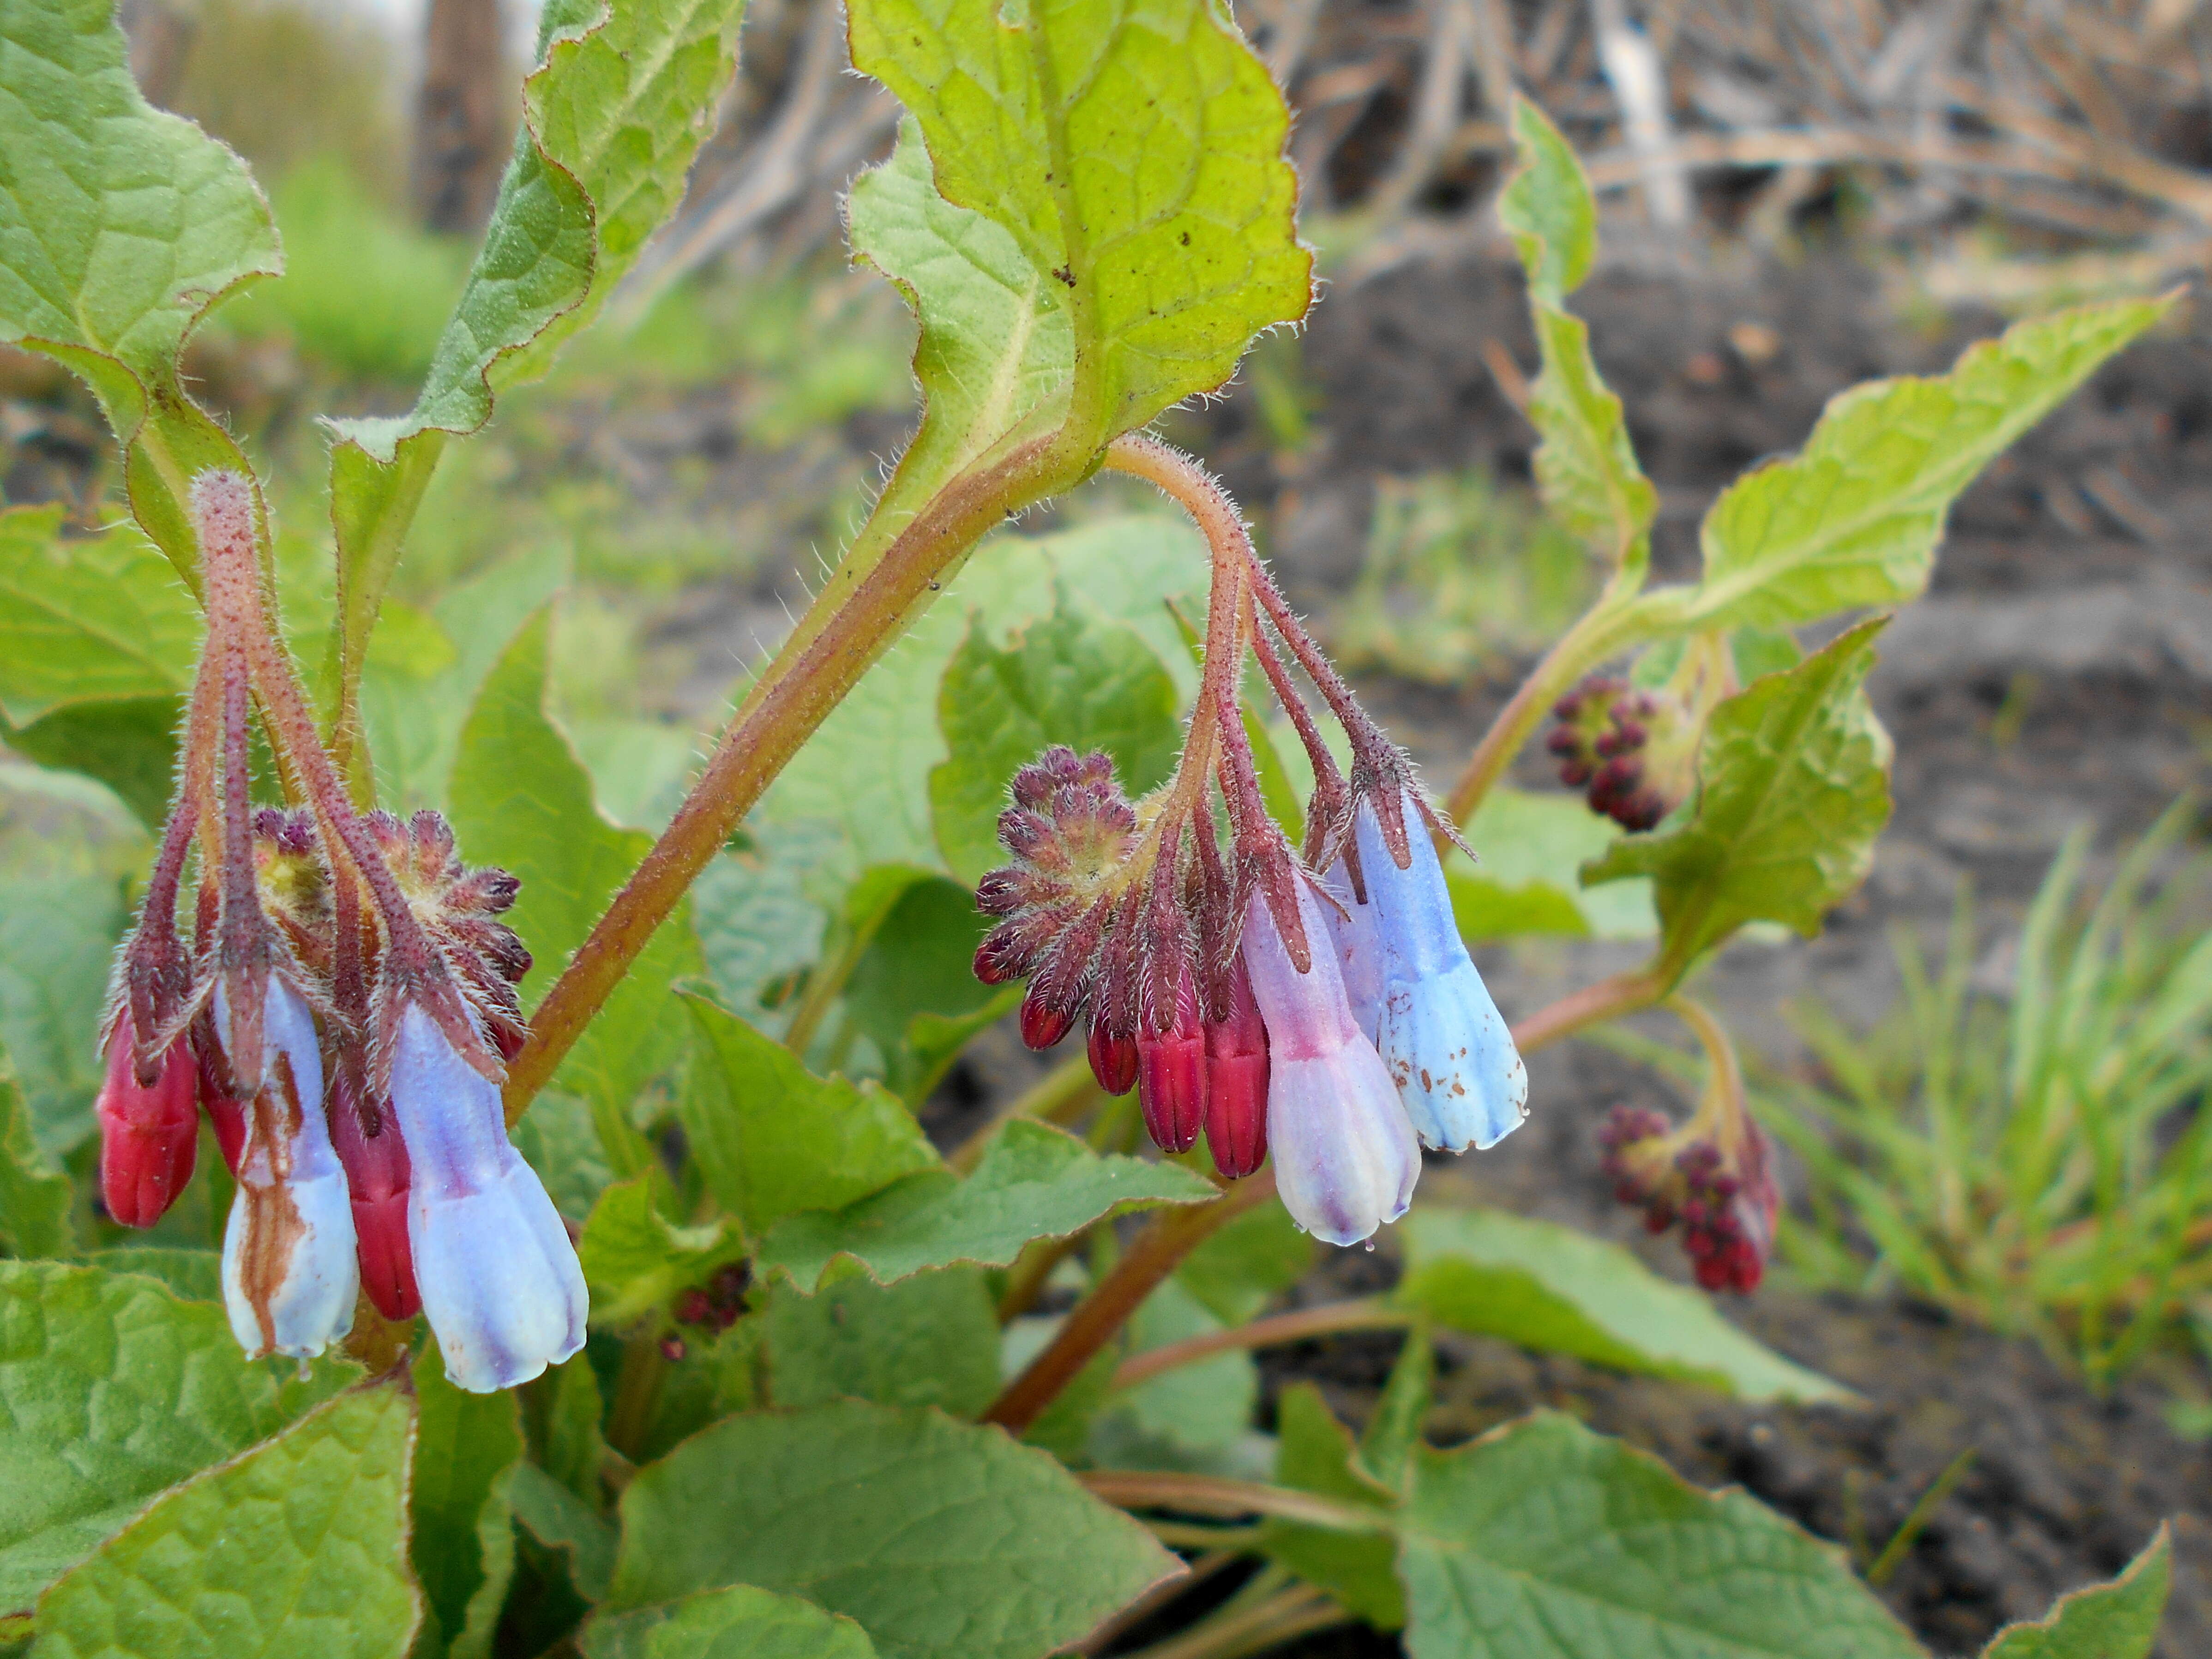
(34,1201)
(1557,1291)
(193,1275)
(462,1539)
(1530,846)
(929,1340)
(1793,787)
(1585,466)
(300,1546)
(1134,158)
(111,1390)
(910,1523)
(120,226)
(623,98)
(561,1520)
(636,1259)
(739,1622)
(1033,1182)
(522,800)
(1542,1540)
(1853,518)
(88,620)
(57,943)
(1062,680)
(1194,1417)
(1314,1453)
(772,1140)
(2117,1620)
(1242,1266)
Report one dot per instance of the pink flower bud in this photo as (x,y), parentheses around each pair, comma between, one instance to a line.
(1171,1073)
(376,1175)
(1113,1059)
(149,1137)
(1236,1081)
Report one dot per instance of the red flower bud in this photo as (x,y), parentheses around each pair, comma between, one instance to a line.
(150,1137)
(1236,1081)
(1171,1074)
(225,1112)
(376,1180)
(1113,1059)
(1042,1025)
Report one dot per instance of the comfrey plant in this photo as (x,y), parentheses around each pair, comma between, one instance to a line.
(736,1360)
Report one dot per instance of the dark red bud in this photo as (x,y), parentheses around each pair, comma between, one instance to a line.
(149,1137)
(225,1112)
(694,1307)
(376,1180)
(1113,1059)
(1043,1025)
(1237,1082)
(1171,1077)
(673,1349)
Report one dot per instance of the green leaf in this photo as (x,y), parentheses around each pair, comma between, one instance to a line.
(1244,1264)
(1557,1291)
(867,771)
(1385,1448)
(739,1622)
(1542,1540)
(636,1259)
(914,992)
(1130,156)
(1531,846)
(120,226)
(929,1340)
(2119,1621)
(622,99)
(1853,518)
(193,1275)
(772,1140)
(462,1535)
(129,744)
(87,620)
(561,1520)
(1194,1417)
(1033,1182)
(913,1525)
(522,800)
(35,1201)
(1793,787)
(1314,1453)
(300,1546)
(574,1450)
(111,1390)
(1062,680)
(1585,467)
(57,943)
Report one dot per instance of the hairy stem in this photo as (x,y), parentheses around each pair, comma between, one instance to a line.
(1368,1314)
(1609,999)
(845,630)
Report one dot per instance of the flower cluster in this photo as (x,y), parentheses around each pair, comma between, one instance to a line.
(1719,1186)
(1333,1019)
(340,1007)
(1634,751)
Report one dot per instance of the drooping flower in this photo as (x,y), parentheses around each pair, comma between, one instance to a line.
(1359,949)
(1442,1037)
(377,1177)
(1171,1073)
(289,1278)
(499,1279)
(148,1135)
(1345,1156)
(1237,1068)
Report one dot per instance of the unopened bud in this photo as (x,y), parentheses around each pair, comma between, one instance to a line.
(1236,1081)
(148,1136)
(1171,1073)
(1113,1059)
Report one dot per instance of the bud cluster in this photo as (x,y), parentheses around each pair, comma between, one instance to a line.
(1720,1188)
(340,1007)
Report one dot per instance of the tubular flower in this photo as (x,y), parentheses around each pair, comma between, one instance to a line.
(1442,1037)
(149,1136)
(289,1273)
(1358,948)
(1345,1157)
(1237,1068)
(498,1277)
(1171,1073)
(375,1160)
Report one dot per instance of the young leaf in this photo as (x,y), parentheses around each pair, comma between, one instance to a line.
(1396,1429)
(35,1201)
(1194,1417)
(1242,1266)
(521,799)
(300,1546)
(1793,787)
(120,226)
(772,1140)
(1585,466)
(1542,1540)
(1063,680)
(929,1340)
(636,1259)
(1314,1453)
(1033,1182)
(111,1390)
(1532,844)
(57,941)
(2119,1621)
(1031,118)
(562,1521)
(462,1534)
(739,1622)
(622,99)
(1558,1290)
(1853,518)
(912,1524)
(88,620)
